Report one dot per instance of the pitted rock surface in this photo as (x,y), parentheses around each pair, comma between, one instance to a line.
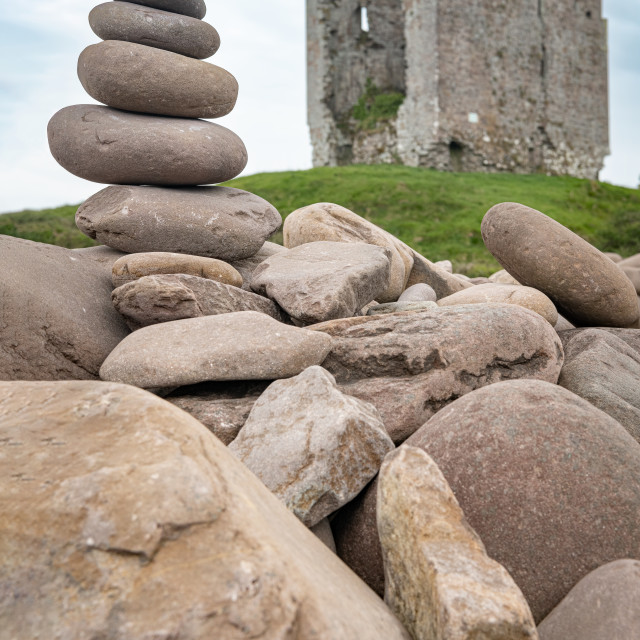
(154,28)
(246,345)
(217,222)
(107,145)
(164,298)
(323,280)
(135,77)
(586,286)
(411,365)
(312,446)
(440,582)
(112,497)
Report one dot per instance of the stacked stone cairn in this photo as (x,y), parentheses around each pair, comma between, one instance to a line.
(207,435)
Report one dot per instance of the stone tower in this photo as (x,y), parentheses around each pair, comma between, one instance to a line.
(483,85)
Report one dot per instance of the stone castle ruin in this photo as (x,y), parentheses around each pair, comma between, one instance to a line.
(489,85)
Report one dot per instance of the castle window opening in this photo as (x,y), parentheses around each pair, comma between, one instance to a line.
(588,14)
(364,19)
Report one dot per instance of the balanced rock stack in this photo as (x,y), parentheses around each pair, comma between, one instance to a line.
(148,71)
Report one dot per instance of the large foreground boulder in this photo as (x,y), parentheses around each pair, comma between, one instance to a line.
(410,365)
(123,517)
(56,317)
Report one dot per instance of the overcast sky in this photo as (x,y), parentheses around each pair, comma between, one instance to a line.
(263,45)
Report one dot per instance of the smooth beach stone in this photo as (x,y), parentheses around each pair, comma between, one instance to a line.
(154,28)
(604,604)
(439,279)
(502,277)
(222,407)
(631,261)
(323,532)
(56,321)
(586,286)
(633,273)
(138,265)
(193,8)
(105,256)
(614,257)
(418,293)
(134,77)
(216,222)
(246,345)
(246,266)
(439,580)
(107,145)
(124,518)
(329,222)
(164,298)
(411,365)
(322,281)
(508,294)
(399,307)
(312,446)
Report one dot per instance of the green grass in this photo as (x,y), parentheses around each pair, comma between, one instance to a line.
(438,214)
(376,106)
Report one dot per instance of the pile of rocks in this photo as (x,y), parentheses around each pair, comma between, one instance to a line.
(280,433)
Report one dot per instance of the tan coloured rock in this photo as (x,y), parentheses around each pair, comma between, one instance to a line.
(439,279)
(154,299)
(400,307)
(507,294)
(503,277)
(134,77)
(222,407)
(154,28)
(247,266)
(614,257)
(330,222)
(418,293)
(563,324)
(118,147)
(122,517)
(311,445)
(411,365)
(586,287)
(631,261)
(246,345)
(105,256)
(132,267)
(323,280)
(439,580)
(322,531)
(56,321)
(216,222)
(633,273)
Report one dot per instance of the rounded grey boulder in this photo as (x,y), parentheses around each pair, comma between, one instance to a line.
(193,8)
(216,222)
(138,78)
(154,28)
(116,147)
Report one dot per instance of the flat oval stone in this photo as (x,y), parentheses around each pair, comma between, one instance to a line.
(246,345)
(193,8)
(526,297)
(217,222)
(139,265)
(134,77)
(587,287)
(154,28)
(116,147)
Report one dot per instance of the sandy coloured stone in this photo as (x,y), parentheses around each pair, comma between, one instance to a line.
(614,257)
(247,266)
(138,265)
(439,279)
(631,261)
(107,145)
(604,370)
(322,281)
(411,365)
(508,294)
(56,321)
(312,446)
(586,286)
(222,407)
(332,223)
(400,307)
(322,531)
(418,293)
(102,255)
(217,222)
(604,604)
(633,273)
(135,77)
(246,345)
(193,8)
(164,298)
(123,517)
(503,277)
(439,580)
(154,28)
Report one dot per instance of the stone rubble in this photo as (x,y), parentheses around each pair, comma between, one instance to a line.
(125,516)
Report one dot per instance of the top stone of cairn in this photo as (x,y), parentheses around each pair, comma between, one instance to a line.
(192,8)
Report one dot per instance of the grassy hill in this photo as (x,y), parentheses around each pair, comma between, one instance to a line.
(438,214)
